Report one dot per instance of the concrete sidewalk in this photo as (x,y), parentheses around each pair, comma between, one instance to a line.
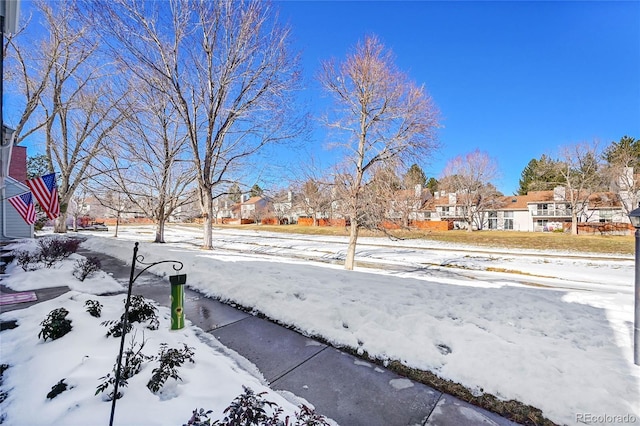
(340,386)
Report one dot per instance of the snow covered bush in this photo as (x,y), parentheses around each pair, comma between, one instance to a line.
(132,364)
(86,267)
(57,389)
(170,359)
(27,260)
(48,252)
(55,325)
(250,409)
(140,310)
(52,250)
(94,308)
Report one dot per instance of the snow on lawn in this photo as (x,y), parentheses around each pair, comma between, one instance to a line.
(85,354)
(568,352)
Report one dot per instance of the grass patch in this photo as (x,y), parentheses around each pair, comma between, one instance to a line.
(598,244)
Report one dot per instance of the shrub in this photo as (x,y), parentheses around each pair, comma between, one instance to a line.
(200,418)
(52,250)
(86,267)
(94,308)
(26,260)
(248,409)
(308,417)
(110,380)
(3,394)
(133,360)
(140,310)
(57,389)
(55,325)
(170,360)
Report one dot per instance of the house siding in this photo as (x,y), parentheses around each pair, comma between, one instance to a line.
(13,224)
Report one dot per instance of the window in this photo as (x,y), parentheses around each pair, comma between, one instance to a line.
(493,220)
(606,216)
(508,220)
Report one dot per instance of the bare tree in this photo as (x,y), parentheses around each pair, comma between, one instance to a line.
(622,168)
(148,162)
(469,177)
(314,198)
(580,170)
(78,101)
(381,117)
(225,66)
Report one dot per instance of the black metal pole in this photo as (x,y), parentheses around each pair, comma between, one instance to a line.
(636,323)
(125,322)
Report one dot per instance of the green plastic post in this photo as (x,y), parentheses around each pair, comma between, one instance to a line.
(177,301)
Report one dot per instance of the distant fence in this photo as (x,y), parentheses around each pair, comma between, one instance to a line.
(608,228)
(436,225)
(308,221)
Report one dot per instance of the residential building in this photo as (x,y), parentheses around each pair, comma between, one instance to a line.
(13,175)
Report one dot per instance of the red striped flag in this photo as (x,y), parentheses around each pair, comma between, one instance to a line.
(46,192)
(24,205)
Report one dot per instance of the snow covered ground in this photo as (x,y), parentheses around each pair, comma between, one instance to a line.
(549,329)
(84,355)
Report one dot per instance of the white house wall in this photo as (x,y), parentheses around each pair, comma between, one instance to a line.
(11,221)
(522,221)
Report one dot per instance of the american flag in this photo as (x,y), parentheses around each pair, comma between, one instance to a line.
(46,192)
(24,204)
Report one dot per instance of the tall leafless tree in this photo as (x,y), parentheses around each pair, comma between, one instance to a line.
(227,68)
(580,169)
(380,116)
(69,92)
(148,162)
(470,177)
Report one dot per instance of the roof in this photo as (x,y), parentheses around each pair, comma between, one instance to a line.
(253,200)
(521,202)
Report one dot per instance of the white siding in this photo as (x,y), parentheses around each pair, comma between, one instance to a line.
(13,226)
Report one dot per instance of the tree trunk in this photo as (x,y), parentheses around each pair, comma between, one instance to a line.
(349,262)
(208,224)
(60,224)
(117,224)
(574,222)
(160,231)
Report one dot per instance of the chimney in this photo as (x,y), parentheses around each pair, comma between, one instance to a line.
(289,196)
(418,193)
(559,193)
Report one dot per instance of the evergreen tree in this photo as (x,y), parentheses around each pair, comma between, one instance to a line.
(256,191)
(540,175)
(626,152)
(432,185)
(414,176)
(235,193)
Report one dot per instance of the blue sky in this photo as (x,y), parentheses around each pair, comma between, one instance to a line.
(513,79)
